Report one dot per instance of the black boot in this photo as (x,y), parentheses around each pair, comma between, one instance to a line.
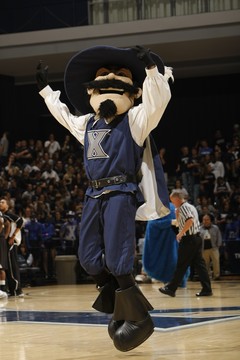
(113,326)
(106,299)
(132,307)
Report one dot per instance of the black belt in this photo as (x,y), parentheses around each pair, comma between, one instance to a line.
(114,180)
(189,235)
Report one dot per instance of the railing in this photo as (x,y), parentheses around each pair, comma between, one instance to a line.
(114,11)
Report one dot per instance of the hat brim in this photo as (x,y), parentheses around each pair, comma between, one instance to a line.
(83,66)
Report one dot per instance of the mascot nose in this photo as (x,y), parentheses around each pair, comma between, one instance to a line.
(110,76)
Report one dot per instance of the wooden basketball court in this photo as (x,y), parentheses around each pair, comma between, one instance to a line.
(57,322)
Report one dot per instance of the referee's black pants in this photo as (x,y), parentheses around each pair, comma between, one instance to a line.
(13,272)
(190,253)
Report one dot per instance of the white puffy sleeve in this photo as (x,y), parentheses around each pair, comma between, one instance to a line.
(155,98)
(75,124)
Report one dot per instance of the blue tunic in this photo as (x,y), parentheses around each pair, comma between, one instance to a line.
(110,151)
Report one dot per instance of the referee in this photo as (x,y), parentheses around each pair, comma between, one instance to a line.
(190,246)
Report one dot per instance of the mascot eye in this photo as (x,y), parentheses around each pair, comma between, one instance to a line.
(120,73)
(102,72)
(124,72)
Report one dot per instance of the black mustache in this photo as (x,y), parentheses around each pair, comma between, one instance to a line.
(115,84)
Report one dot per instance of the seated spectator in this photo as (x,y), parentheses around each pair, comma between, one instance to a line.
(222,189)
(69,176)
(183,172)
(22,153)
(28,194)
(194,167)
(222,213)
(235,199)
(162,154)
(232,228)
(207,182)
(50,174)
(204,148)
(59,168)
(58,222)
(51,145)
(33,238)
(67,146)
(178,185)
(217,165)
(69,233)
(205,207)
(25,258)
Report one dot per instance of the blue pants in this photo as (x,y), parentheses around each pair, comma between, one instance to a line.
(107,234)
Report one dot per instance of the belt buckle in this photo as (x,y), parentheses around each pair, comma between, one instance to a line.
(95,184)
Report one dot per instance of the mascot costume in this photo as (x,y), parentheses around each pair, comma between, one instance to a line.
(121,95)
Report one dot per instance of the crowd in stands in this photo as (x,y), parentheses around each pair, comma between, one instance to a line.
(45,183)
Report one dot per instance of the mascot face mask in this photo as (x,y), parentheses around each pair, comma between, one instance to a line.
(112,92)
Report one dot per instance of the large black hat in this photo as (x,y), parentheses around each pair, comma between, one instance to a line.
(83,66)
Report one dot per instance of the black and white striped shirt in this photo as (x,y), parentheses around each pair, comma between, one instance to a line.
(187,211)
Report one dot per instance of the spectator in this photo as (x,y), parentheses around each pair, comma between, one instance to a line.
(22,154)
(194,168)
(49,247)
(205,206)
(69,233)
(59,168)
(179,186)
(222,189)
(217,165)
(222,213)
(33,236)
(207,182)
(52,145)
(232,228)
(28,194)
(50,174)
(58,222)
(162,154)
(39,148)
(204,148)
(183,172)
(67,147)
(4,147)
(212,240)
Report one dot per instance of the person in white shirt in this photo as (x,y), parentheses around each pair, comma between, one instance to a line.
(52,145)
